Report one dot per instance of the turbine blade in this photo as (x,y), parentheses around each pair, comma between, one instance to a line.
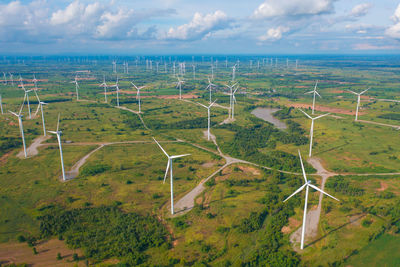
(365,91)
(302,168)
(318,94)
(166,171)
(295,192)
(161,147)
(320,116)
(309,92)
(305,114)
(201,104)
(13,113)
(323,192)
(212,103)
(352,92)
(53,132)
(179,156)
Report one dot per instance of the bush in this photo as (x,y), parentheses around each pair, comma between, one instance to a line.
(94,168)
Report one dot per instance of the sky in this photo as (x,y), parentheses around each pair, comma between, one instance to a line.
(123,27)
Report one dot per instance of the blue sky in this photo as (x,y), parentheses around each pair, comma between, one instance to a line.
(200,27)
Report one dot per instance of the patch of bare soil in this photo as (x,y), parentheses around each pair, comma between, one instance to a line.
(207,164)
(14,253)
(293,224)
(383,187)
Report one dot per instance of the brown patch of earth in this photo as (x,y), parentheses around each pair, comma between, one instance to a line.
(383,187)
(15,253)
(252,170)
(207,164)
(293,224)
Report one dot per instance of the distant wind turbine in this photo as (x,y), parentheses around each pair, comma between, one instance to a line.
(1,104)
(314,92)
(208,115)
(75,81)
(58,133)
(104,84)
(179,84)
(312,127)
(307,184)
(21,127)
(232,100)
(117,89)
(169,166)
(209,87)
(41,110)
(358,100)
(138,94)
(26,97)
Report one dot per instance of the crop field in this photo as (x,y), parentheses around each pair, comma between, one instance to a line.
(115,208)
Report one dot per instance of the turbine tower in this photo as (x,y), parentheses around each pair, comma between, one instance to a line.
(21,127)
(314,92)
(358,100)
(58,133)
(1,104)
(169,166)
(232,100)
(307,184)
(138,94)
(208,113)
(179,84)
(312,127)
(104,84)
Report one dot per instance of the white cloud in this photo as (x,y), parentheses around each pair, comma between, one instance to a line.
(366,46)
(360,10)
(273,34)
(278,8)
(394,30)
(200,26)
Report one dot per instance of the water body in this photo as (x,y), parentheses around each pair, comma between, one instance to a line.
(266,114)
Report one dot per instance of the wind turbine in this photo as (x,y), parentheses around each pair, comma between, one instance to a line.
(75,81)
(208,113)
(104,84)
(26,97)
(233,72)
(21,127)
(358,100)
(169,166)
(117,89)
(58,133)
(11,78)
(232,100)
(312,127)
(34,81)
(209,86)
(4,78)
(307,184)
(138,94)
(314,92)
(41,110)
(179,83)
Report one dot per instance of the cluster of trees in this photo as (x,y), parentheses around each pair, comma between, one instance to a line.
(390,116)
(132,120)
(269,250)
(94,168)
(185,124)
(106,232)
(248,140)
(8,143)
(341,185)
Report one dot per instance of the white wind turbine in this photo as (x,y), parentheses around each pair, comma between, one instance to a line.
(4,78)
(358,100)
(21,127)
(58,133)
(34,81)
(208,113)
(11,78)
(209,87)
(233,72)
(138,94)
(117,89)
(169,166)
(26,97)
(312,127)
(307,184)
(104,84)
(314,92)
(194,71)
(41,110)
(179,84)
(75,81)
(232,100)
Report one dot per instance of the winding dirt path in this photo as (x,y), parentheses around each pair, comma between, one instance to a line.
(32,150)
(397,127)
